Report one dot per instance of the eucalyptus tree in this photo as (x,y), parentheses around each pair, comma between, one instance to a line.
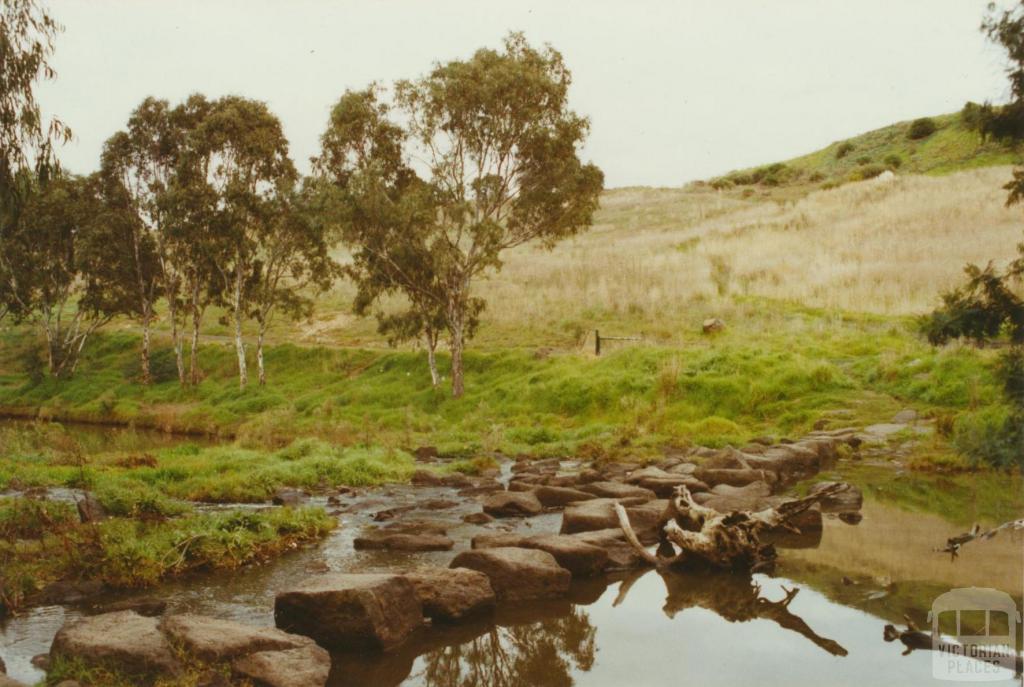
(62,272)
(139,165)
(27,33)
(246,178)
(477,157)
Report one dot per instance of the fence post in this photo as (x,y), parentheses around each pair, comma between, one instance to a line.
(597,342)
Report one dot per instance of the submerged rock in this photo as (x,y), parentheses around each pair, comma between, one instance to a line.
(518,574)
(126,639)
(451,594)
(404,542)
(375,611)
(850,499)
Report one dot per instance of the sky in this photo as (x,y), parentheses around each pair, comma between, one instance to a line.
(675,91)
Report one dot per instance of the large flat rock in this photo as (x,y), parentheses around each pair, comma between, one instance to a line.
(213,639)
(510,504)
(451,594)
(375,611)
(125,639)
(579,557)
(617,490)
(306,666)
(516,573)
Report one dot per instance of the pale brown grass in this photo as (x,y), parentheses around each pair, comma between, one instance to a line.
(886,248)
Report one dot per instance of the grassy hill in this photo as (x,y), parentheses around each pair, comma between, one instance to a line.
(953,146)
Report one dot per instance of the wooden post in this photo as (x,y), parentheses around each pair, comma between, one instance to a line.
(597,342)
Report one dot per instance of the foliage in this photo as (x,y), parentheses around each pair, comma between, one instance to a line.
(503,172)
(27,32)
(893,161)
(922,127)
(844,149)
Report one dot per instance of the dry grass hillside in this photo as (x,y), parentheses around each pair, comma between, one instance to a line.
(874,246)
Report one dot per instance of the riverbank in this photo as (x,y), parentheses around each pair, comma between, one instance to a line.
(776,370)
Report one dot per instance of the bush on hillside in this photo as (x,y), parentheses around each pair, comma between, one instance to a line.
(866,172)
(921,128)
(893,161)
(864,160)
(844,149)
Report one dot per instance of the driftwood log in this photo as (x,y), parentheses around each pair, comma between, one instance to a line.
(954,544)
(692,535)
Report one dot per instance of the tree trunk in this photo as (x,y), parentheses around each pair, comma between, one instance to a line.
(259,355)
(176,342)
(435,378)
(147,378)
(456,345)
(243,374)
(197,315)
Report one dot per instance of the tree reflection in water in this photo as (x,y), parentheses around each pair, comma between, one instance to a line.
(542,654)
(544,643)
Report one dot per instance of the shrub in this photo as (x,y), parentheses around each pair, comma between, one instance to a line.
(864,160)
(815,177)
(721,274)
(844,149)
(866,172)
(893,161)
(921,128)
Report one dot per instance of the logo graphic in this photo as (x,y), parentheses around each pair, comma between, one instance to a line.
(974,635)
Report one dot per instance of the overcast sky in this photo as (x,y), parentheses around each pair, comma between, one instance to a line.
(675,90)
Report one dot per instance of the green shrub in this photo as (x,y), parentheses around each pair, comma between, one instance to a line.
(893,161)
(815,177)
(844,149)
(864,160)
(921,128)
(866,172)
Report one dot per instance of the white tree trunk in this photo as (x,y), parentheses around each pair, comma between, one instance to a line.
(259,355)
(193,362)
(147,377)
(176,342)
(435,378)
(243,373)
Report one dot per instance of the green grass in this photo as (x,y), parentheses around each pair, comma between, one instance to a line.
(776,372)
(952,147)
(42,542)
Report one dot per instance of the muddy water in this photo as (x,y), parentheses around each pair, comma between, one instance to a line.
(636,629)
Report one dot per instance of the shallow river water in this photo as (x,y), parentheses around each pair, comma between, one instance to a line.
(634,629)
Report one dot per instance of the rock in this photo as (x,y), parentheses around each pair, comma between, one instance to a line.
(306,666)
(851,518)
(213,639)
(577,556)
(509,504)
(147,607)
(518,574)
(391,513)
(425,478)
(286,496)
(681,469)
(125,639)
(426,453)
(375,611)
(617,490)
(621,556)
(665,487)
(649,472)
(740,477)
(905,416)
(557,497)
(3,666)
(713,325)
(451,594)
(90,509)
(404,542)
(480,518)
(725,498)
(587,476)
(437,504)
(599,514)
(848,500)
(456,480)
(41,661)
(11,682)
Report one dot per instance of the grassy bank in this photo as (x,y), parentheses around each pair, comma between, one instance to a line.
(42,542)
(777,370)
